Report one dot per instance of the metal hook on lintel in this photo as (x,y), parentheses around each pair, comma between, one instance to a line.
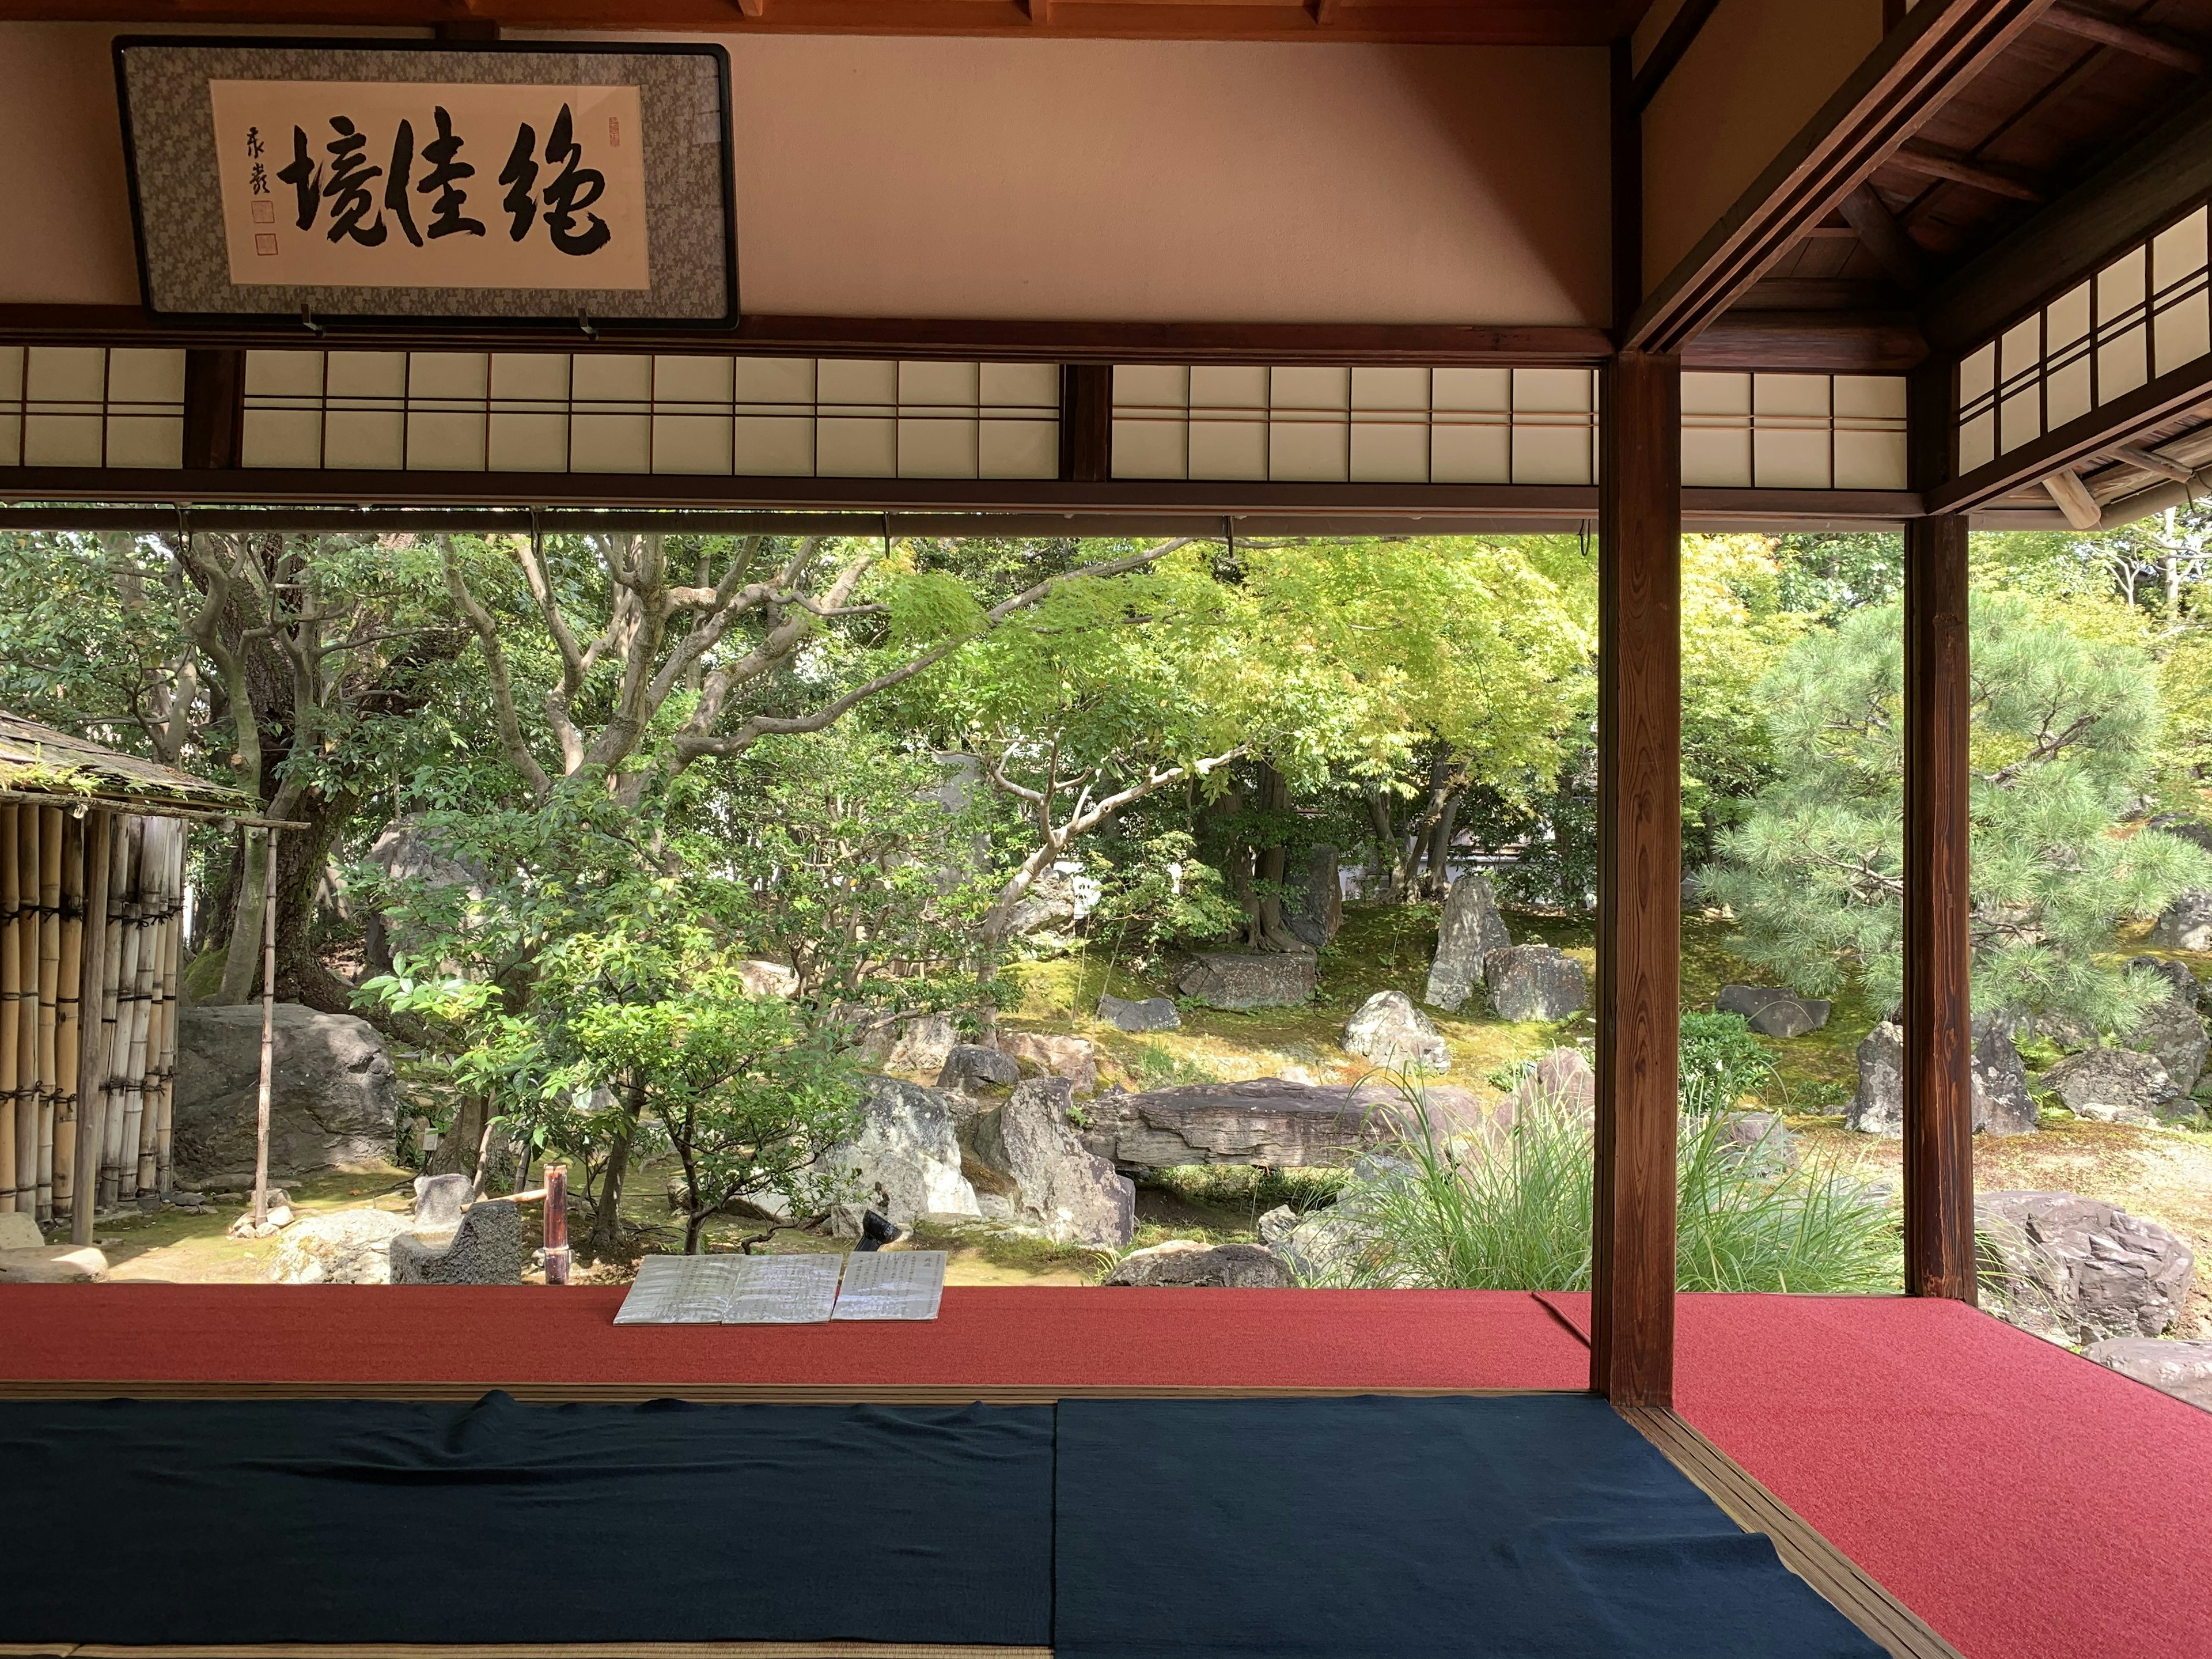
(308,321)
(584,322)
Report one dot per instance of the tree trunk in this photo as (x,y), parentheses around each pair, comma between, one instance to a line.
(457,1148)
(1440,842)
(607,1216)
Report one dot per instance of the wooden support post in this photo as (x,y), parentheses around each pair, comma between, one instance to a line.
(1939,1105)
(91,1052)
(268,1032)
(1086,423)
(556,1224)
(1639,877)
(214,407)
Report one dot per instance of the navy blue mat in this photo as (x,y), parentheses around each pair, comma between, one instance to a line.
(189,1522)
(1508,1528)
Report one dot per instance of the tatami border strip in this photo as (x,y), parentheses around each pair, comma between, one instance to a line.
(502,1650)
(1885,1621)
(705,1393)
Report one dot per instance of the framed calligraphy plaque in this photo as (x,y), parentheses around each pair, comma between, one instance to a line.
(421,182)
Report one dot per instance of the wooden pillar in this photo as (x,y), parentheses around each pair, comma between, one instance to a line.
(1639,877)
(214,408)
(1086,423)
(1939,1106)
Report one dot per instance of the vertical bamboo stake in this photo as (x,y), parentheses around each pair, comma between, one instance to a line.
(68,1008)
(11,968)
(51,819)
(122,967)
(91,1057)
(268,1031)
(165,1057)
(138,1135)
(28,822)
(556,1224)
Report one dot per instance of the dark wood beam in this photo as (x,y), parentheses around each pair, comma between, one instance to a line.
(2125,417)
(214,408)
(1883,237)
(1941,46)
(1639,879)
(1625,130)
(1086,423)
(2126,37)
(863,337)
(1939,1106)
(2167,170)
(1934,161)
(1674,44)
(1836,342)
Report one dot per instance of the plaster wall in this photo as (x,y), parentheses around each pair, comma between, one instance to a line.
(1759,70)
(1060,180)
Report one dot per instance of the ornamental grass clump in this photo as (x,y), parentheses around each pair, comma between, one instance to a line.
(1511,1210)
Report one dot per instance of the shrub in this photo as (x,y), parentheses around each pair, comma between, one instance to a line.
(1722,1060)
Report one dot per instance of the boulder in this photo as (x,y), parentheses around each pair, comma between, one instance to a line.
(19,1231)
(1470,931)
(334,1101)
(1152,1014)
(1315,910)
(413,853)
(2183,1370)
(969,1068)
(2077,1269)
(441,1201)
(1562,1080)
(53,1264)
(1049,906)
(905,1161)
(1185,1263)
(1065,1191)
(1760,1143)
(2117,1085)
(1269,1121)
(1071,1057)
(768,979)
(1534,982)
(923,1044)
(1342,1243)
(1772,1011)
(1390,1031)
(2185,924)
(2171,1029)
(1240,979)
(2003,1102)
(346,1247)
(486,1248)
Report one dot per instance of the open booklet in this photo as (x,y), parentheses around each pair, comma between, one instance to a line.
(784,1290)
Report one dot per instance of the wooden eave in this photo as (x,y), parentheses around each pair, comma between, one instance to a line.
(38,762)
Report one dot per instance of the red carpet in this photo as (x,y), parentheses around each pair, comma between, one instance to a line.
(1044,1337)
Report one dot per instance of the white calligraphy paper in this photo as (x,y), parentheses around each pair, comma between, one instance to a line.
(681,1289)
(891,1284)
(783,1290)
(352,184)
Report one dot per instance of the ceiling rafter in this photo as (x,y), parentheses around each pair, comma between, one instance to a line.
(2089,25)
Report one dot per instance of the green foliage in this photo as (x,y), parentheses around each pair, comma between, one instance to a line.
(1722,1059)
(2065,735)
(1514,1213)
(1154,891)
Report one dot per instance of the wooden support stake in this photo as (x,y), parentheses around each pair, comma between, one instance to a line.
(51,820)
(556,1224)
(69,1030)
(92,1054)
(268,1034)
(1939,1045)
(1639,878)
(11,970)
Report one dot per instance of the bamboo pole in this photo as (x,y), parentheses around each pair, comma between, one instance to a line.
(51,820)
(68,1009)
(123,968)
(162,1055)
(11,968)
(92,1055)
(138,1134)
(28,823)
(268,1032)
(556,1224)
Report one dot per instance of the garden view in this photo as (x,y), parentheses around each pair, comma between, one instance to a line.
(1184,911)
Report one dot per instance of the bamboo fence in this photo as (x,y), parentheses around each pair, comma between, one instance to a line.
(46,1013)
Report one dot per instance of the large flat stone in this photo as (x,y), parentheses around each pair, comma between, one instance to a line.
(1269,1122)
(1238,979)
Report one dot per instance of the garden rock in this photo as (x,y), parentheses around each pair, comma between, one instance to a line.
(1534,982)
(1270,1121)
(411,851)
(1050,905)
(346,1247)
(1316,910)
(906,1160)
(334,1101)
(1760,1143)
(2078,1270)
(923,1045)
(2185,924)
(1772,1011)
(1339,1243)
(1561,1080)
(2183,1370)
(1067,1192)
(53,1264)
(2003,1102)
(19,1231)
(1185,1263)
(1151,1014)
(768,979)
(1470,931)
(486,1249)
(1239,979)
(969,1068)
(2117,1085)
(1390,1031)
(2171,1029)
(441,1201)
(1071,1057)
